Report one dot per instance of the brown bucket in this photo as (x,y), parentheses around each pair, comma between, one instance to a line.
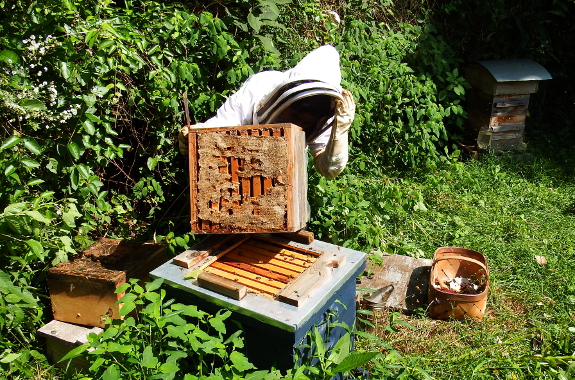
(451,263)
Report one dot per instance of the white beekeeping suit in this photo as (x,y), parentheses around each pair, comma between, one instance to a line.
(264,97)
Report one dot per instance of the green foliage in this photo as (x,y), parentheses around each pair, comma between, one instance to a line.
(339,359)
(90,103)
(164,340)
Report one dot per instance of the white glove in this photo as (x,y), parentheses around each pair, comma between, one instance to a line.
(332,160)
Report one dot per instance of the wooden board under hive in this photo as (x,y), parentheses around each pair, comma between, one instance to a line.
(248,179)
(82,291)
(238,264)
(61,338)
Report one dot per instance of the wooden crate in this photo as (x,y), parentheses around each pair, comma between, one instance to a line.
(248,179)
(61,338)
(82,290)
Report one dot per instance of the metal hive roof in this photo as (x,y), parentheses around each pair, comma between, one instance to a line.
(511,70)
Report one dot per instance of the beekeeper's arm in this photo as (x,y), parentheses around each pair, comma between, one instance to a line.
(330,159)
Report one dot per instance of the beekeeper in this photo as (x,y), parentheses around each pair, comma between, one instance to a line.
(309,95)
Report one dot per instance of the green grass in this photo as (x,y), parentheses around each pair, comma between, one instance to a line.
(511,208)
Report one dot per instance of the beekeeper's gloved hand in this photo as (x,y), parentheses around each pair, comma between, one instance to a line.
(332,160)
(183,137)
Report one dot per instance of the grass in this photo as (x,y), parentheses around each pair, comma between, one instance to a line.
(511,208)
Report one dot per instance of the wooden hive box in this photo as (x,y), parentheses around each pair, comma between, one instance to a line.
(248,179)
(82,290)
(289,288)
(498,101)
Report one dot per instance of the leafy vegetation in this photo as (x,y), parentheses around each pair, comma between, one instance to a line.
(89,112)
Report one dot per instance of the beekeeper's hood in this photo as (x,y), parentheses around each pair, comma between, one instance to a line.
(318,73)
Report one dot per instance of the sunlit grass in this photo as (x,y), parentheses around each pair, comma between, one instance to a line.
(511,210)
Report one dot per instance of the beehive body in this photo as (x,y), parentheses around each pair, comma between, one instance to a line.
(498,101)
(497,121)
(275,323)
(248,179)
(82,291)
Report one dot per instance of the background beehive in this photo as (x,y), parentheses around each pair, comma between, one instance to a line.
(498,101)
(248,179)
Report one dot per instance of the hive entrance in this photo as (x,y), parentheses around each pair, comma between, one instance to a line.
(263,266)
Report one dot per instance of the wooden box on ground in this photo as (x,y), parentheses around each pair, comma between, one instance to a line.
(82,290)
(62,337)
(290,288)
(248,179)
(498,101)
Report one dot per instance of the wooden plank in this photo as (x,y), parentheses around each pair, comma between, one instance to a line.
(291,178)
(504,101)
(517,88)
(272,239)
(255,285)
(519,128)
(507,120)
(301,236)
(282,250)
(229,244)
(285,256)
(234,271)
(267,181)
(68,332)
(297,291)
(257,269)
(193,175)
(61,338)
(408,275)
(201,250)
(508,144)
(506,135)
(271,259)
(256,261)
(222,285)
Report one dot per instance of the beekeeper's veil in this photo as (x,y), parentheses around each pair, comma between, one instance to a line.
(318,73)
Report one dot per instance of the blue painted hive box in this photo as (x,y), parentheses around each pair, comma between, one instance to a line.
(277,289)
